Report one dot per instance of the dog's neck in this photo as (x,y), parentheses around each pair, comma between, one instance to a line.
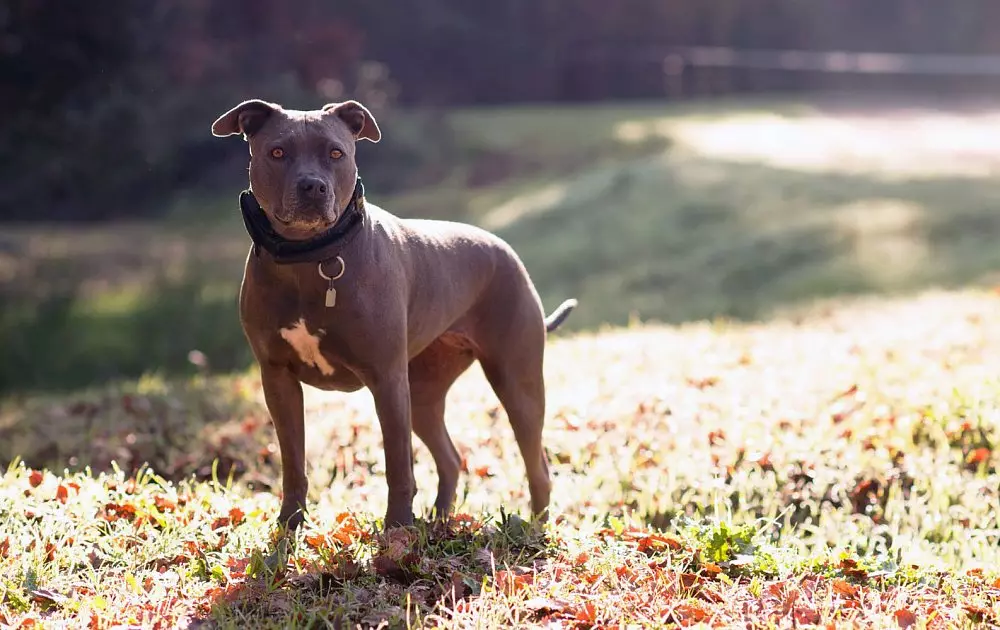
(321,247)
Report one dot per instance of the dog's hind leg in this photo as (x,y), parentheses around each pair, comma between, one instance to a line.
(515,373)
(432,373)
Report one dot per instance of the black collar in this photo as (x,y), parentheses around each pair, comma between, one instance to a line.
(318,248)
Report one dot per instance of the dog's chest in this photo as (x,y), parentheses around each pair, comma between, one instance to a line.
(312,355)
(305,344)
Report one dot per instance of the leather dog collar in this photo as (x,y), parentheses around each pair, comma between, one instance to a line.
(318,248)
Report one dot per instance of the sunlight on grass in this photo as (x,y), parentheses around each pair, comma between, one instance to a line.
(892,144)
(826,466)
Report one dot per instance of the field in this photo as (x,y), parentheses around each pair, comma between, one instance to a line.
(807,436)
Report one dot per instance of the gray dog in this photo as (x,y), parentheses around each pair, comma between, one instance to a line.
(340,294)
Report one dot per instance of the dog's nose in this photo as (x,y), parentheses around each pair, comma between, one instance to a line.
(312,188)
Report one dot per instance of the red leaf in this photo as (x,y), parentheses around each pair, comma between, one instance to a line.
(317,541)
(904,618)
(62,494)
(35,478)
(978,456)
(689,613)
(844,588)
(806,615)
(482,472)
(5,547)
(164,504)
(586,613)
(114,511)
(236,516)
(509,582)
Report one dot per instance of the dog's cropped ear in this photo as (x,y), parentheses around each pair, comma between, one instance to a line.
(359,120)
(246,118)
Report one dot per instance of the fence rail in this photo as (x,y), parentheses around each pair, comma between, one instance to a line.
(832,61)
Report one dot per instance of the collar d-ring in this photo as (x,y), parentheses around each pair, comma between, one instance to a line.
(343,268)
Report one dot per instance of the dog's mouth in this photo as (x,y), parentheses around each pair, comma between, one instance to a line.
(301,224)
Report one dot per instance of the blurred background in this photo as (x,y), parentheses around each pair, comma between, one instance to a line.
(659,160)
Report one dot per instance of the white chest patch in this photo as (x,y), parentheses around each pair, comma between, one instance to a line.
(306,346)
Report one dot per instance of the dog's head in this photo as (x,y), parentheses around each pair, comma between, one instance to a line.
(302,167)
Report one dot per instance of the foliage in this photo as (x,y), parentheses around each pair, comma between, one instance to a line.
(109,104)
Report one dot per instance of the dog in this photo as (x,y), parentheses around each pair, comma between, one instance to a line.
(339,294)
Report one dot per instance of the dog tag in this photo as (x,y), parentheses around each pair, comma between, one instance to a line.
(331,293)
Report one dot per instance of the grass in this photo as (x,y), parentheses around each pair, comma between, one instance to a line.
(835,467)
(647,211)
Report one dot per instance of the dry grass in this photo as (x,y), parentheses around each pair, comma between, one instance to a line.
(835,467)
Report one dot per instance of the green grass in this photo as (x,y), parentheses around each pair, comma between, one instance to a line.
(839,467)
(670,213)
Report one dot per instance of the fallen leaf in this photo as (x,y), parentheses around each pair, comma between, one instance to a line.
(542,606)
(586,613)
(806,615)
(689,613)
(977,456)
(509,582)
(164,504)
(844,588)
(236,516)
(904,618)
(711,568)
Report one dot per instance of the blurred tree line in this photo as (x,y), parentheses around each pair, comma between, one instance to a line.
(107,104)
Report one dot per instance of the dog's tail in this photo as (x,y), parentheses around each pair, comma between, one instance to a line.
(559,315)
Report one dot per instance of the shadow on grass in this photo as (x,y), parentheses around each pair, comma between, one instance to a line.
(376,579)
(171,328)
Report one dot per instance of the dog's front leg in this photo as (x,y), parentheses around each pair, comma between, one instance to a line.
(283,396)
(391,393)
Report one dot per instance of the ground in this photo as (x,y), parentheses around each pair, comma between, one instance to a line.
(837,468)
(776,405)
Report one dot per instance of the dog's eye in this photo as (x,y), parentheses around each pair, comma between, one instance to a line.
(277,153)
(336,154)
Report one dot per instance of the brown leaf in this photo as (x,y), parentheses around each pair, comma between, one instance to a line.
(542,606)
(509,582)
(711,568)
(904,618)
(164,504)
(844,588)
(35,478)
(689,613)
(114,511)
(806,615)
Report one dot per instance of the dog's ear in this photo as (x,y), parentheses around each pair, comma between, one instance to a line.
(359,120)
(246,118)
